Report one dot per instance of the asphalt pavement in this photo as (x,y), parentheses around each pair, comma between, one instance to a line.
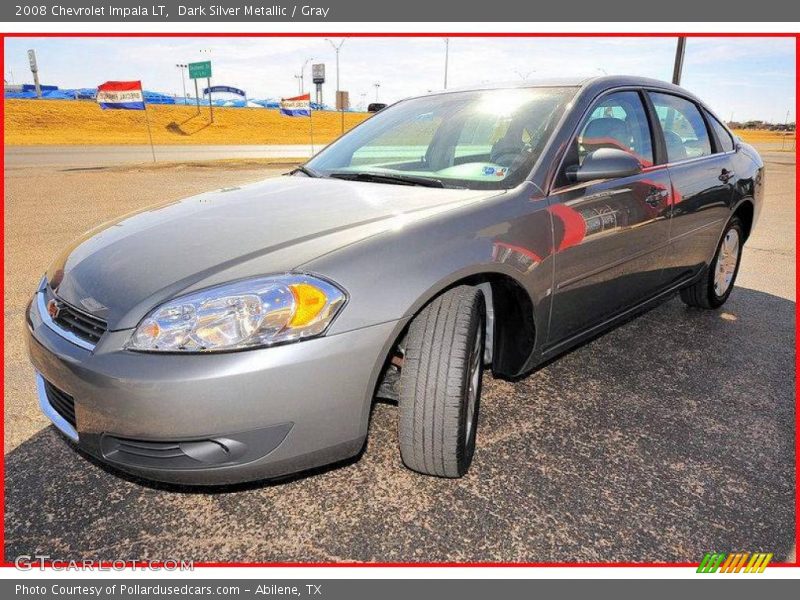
(106,156)
(666,438)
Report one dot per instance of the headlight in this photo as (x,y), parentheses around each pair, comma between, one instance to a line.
(243,314)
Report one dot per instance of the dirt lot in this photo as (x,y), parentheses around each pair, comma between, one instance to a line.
(664,439)
(64,122)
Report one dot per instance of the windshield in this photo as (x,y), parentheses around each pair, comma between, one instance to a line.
(476,140)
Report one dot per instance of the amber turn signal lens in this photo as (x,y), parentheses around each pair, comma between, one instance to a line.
(309,302)
(150,330)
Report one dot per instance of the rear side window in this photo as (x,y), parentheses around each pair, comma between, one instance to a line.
(725,139)
(684,129)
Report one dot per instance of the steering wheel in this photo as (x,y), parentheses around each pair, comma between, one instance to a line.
(512,152)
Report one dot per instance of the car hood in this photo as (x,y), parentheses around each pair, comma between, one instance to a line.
(125,268)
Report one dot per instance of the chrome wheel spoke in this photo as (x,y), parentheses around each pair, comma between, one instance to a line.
(726,262)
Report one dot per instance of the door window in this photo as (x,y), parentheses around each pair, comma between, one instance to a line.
(618,121)
(684,129)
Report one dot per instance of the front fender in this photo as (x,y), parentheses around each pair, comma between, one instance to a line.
(392,276)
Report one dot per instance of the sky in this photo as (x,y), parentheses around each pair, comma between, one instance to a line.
(743,78)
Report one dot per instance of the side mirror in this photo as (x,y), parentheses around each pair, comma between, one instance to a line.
(376,107)
(605,163)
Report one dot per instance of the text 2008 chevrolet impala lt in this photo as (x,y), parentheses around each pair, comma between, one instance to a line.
(243,334)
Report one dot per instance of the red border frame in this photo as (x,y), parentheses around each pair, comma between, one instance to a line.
(105,564)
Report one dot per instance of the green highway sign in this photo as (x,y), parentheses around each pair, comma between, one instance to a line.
(200,70)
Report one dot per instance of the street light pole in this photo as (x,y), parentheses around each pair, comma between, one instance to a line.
(526,76)
(183,67)
(337,48)
(302,75)
(446,59)
(377,85)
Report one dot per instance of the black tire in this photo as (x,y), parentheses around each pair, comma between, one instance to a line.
(703,293)
(441,346)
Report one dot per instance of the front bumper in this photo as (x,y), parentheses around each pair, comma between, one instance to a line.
(217,418)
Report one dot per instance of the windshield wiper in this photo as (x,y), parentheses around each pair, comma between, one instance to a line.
(305,171)
(389,178)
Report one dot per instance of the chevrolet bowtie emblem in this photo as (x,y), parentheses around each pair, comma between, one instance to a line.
(53,309)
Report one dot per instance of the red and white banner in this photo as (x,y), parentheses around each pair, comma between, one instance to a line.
(121,94)
(297,106)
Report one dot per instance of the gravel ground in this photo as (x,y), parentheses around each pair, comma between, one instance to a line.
(666,438)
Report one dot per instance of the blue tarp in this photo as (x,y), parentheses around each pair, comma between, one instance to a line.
(263,102)
(29,87)
(150,97)
(53,93)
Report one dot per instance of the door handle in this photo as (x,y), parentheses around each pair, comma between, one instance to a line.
(726,175)
(655,197)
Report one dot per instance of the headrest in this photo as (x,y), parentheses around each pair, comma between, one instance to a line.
(607,132)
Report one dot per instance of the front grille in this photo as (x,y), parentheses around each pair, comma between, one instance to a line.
(62,403)
(80,324)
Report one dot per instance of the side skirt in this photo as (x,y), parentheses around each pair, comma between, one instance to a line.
(616,320)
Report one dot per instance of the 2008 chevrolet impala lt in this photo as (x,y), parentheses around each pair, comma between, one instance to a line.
(243,334)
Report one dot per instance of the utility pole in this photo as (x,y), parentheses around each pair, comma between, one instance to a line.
(446,59)
(680,51)
(183,68)
(337,48)
(785,130)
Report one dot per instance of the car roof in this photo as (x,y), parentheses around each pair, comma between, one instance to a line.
(597,84)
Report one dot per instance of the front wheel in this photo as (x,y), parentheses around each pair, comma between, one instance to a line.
(440,384)
(713,289)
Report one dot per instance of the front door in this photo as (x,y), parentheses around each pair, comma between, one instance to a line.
(610,236)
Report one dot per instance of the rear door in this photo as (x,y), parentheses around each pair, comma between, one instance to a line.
(610,235)
(701,165)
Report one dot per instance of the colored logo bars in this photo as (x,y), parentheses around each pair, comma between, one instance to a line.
(744,562)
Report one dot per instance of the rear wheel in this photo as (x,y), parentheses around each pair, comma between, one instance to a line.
(440,384)
(713,289)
